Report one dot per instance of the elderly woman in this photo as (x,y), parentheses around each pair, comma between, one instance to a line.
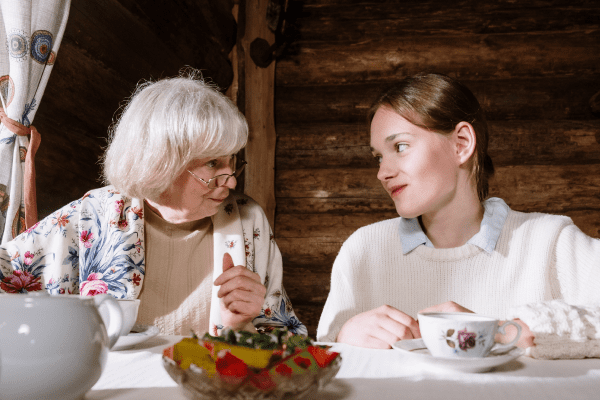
(169,230)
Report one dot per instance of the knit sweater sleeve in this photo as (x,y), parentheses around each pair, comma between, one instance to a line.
(341,302)
(568,327)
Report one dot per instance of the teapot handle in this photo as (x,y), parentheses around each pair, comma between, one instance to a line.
(113,320)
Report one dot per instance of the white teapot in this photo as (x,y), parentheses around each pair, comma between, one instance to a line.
(54,347)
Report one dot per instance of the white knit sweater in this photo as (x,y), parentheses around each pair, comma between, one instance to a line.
(538,258)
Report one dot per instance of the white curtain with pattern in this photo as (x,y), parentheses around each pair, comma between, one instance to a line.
(30,35)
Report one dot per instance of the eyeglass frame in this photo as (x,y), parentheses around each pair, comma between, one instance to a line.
(215,178)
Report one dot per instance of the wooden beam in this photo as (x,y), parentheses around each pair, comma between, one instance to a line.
(332,145)
(259,89)
(496,55)
(543,98)
(545,188)
(406,20)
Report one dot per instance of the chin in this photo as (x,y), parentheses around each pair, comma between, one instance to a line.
(407,213)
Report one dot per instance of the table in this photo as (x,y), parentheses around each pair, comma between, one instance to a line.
(137,373)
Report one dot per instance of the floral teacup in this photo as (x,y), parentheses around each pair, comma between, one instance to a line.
(456,334)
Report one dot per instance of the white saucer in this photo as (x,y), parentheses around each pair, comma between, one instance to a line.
(138,334)
(415,348)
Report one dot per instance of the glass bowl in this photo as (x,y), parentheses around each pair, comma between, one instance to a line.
(196,384)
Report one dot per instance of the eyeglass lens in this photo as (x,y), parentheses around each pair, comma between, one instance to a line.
(221,180)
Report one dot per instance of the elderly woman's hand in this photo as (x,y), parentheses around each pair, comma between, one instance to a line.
(242,295)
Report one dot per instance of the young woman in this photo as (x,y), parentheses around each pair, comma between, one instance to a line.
(452,248)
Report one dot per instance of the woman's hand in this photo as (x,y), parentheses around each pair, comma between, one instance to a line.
(379,328)
(242,295)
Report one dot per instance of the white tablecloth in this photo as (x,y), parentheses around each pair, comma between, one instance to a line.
(371,374)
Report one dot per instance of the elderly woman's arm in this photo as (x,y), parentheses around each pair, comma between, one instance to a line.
(91,246)
(264,258)
(39,258)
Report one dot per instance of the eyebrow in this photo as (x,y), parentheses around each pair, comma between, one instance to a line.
(392,137)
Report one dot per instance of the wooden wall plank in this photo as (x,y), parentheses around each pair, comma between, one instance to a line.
(368,20)
(496,55)
(467,5)
(547,188)
(330,145)
(503,99)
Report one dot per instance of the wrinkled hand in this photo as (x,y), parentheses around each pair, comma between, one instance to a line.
(379,328)
(242,294)
(448,306)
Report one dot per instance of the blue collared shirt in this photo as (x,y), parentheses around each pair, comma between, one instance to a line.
(494,216)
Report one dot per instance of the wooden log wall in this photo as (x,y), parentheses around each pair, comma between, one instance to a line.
(108,47)
(532,64)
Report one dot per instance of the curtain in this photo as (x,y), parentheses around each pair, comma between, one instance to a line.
(30,35)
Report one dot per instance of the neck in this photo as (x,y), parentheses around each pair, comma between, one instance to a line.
(171,214)
(455,224)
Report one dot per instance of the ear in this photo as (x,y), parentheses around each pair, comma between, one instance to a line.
(465,138)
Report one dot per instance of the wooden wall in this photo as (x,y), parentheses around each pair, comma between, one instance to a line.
(533,65)
(108,47)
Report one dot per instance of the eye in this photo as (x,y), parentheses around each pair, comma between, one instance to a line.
(378,159)
(212,163)
(400,147)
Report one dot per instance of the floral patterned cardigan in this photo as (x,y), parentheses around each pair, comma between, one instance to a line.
(96,245)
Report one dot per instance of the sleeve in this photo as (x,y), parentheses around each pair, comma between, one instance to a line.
(341,304)
(561,330)
(263,257)
(568,327)
(44,257)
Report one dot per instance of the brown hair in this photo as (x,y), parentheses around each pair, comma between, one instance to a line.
(438,103)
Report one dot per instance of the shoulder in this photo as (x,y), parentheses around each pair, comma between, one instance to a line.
(378,228)
(538,220)
(247,206)
(536,226)
(245,203)
(242,200)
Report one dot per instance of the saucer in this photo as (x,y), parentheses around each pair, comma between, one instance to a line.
(139,334)
(415,348)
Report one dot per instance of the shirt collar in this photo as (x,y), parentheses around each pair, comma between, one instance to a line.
(494,216)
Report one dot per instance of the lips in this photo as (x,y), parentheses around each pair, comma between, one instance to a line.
(395,190)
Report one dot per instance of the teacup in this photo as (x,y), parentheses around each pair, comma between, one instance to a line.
(458,334)
(130,311)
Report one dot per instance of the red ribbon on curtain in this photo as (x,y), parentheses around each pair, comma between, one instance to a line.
(29,179)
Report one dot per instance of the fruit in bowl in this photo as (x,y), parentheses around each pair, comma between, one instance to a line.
(244,365)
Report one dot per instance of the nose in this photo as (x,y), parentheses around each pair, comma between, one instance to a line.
(231,182)
(387,170)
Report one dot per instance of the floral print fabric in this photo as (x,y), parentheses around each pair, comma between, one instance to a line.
(95,245)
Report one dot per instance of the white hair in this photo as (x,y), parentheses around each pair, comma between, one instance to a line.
(166,125)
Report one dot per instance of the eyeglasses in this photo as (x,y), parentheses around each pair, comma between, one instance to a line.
(221,180)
